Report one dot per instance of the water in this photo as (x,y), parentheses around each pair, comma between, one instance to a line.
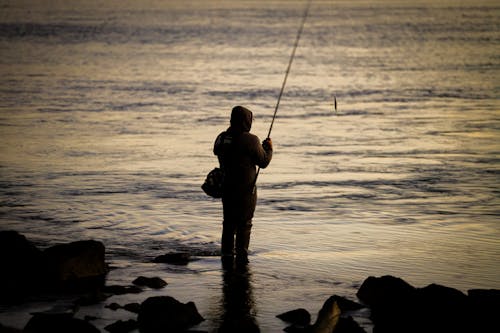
(108,113)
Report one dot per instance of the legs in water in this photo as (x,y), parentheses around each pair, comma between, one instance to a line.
(229,246)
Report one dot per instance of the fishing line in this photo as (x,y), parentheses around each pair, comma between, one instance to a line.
(292,56)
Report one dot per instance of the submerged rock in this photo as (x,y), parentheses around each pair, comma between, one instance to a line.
(113,306)
(151,282)
(121,290)
(178,258)
(165,314)
(132,307)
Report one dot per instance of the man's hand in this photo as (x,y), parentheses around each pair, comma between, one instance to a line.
(267,144)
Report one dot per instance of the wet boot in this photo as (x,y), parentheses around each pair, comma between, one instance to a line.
(243,241)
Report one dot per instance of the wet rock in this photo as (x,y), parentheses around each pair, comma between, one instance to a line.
(166,314)
(300,317)
(178,258)
(122,326)
(328,317)
(58,323)
(76,265)
(151,282)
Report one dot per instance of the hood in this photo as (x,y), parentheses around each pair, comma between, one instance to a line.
(241,119)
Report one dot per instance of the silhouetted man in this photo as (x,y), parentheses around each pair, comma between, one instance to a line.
(239,152)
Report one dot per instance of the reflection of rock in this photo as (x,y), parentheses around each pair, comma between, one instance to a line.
(151,282)
(165,314)
(58,323)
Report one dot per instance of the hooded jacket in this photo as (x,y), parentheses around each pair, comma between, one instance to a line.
(239,152)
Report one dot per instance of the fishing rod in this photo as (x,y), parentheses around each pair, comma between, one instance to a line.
(299,33)
(292,56)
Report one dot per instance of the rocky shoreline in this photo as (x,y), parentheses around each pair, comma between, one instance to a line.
(79,268)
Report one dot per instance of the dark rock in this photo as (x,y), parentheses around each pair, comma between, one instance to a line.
(346,304)
(485,307)
(446,309)
(6,329)
(58,323)
(299,317)
(385,290)
(92,298)
(20,261)
(76,265)
(398,307)
(298,329)
(179,258)
(152,282)
(72,267)
(113,306)
(132,307)
(164,314)
(391,301)
(122,290)
(122,326)
(485,300)
(348,325)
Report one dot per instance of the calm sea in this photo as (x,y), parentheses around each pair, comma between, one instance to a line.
(109,110)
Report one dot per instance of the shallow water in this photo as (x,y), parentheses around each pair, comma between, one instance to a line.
(108,115)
